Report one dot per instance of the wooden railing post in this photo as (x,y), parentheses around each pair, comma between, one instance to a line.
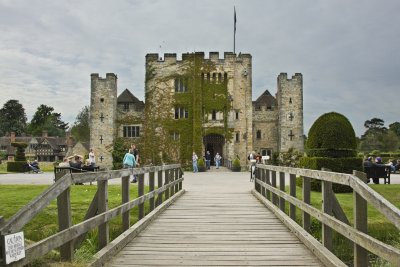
(274,196)
(292,186)
(125,184)
(282,188)
(306,200)
(262,174)
(327,208)
(176,178)
(141,193)
(361,224)
(159,184)
(180,176)
(268,181)
(64,219)
(167,179)
(103,207)
(151,189)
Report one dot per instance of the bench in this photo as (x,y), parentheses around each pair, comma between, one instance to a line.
(378,171)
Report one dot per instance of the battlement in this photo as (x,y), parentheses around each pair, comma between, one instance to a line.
(213,56)
(296,77)
(109,76)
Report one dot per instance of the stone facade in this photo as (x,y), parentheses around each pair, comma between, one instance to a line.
(197,104)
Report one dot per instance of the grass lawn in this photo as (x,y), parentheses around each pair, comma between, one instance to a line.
(13,197)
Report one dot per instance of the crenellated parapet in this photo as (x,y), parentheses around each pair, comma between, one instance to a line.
(213,57)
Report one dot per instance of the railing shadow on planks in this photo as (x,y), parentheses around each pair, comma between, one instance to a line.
(331,216)
(169,188)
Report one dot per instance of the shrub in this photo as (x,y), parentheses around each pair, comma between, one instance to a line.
(20,160)
(331,144)
(236,165)
(16,166)
(333,133)
(201,165)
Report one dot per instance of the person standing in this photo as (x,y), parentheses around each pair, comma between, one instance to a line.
(208,160)
(135,153)
(92,158)
(129,162)
(217,159)
(194,162)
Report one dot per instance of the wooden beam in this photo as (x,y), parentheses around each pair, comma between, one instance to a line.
(282,188)
(292,189)
(125,191)
(103,207)
(307,201)
(141,193)
(361,224)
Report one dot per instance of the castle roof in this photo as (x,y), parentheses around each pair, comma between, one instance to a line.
(127,97)
(265,99)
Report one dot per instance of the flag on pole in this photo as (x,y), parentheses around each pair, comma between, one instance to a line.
(234,29)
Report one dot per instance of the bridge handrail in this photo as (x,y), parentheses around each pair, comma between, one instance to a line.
(362,194)
(98,214)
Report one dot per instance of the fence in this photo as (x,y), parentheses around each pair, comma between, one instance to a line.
(331,216)
(69,237)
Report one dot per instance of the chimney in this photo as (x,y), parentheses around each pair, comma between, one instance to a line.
(12,137)
(44,134)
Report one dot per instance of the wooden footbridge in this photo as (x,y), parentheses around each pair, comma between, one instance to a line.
(211,219)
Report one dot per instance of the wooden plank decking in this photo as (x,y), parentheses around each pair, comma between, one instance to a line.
(217,222)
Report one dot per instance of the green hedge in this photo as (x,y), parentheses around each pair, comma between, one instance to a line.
(16,166)
(332,153)
(343,165)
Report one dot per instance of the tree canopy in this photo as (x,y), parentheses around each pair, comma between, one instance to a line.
(378,137)
(45,119)
(12,118)
(80,130)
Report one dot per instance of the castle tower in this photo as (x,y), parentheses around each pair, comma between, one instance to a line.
(290,104)
(103,115)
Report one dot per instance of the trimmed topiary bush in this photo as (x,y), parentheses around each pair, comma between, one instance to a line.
(201,165)
(236,165)
(331,144)
(20,160)
(331,135)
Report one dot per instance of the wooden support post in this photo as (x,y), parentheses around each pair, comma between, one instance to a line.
(102,187)
(180,176)
(176,178)
(125,184)
(171,179)
(282,188)
(159,184)
(327,195)
(307,200)
(262,174)
(151,189)
(292,185)
(268,181)
(167,179)
(361,224)
(274,197)
(141,193)
(65,219)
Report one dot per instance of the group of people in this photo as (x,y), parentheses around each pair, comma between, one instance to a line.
(33,166)
(76,161)
(207,157)
(131,160)
(392,163)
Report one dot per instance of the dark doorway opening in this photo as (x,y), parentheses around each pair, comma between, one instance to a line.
(215,144)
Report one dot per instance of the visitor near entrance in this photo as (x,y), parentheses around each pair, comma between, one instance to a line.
(208,160)
(92,158)
(217,159)
(194,162)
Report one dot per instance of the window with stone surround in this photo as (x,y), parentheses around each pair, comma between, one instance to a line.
(126,106)
(175,136)
(237,137)
(181,113)
(131,131)
(237,115)
(258,134)
(180,86)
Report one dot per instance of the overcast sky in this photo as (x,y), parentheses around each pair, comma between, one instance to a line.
(347,51)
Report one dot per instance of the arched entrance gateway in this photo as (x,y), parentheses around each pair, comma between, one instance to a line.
(215,144)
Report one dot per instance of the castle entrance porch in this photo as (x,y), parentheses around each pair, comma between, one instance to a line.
(215,144)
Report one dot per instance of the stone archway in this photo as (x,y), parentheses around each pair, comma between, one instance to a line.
(214,143)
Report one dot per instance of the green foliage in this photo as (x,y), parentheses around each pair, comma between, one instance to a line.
(16,166)
(201,165)
(343,165)
(201,98)
(12,118)
(331,131)
(45,119)
(121,147)
(20,152)
(290,158)
(80,130)
(236,165)
(395,127)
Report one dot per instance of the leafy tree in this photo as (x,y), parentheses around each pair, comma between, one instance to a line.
(395,127)
(80,130)
(12,118)
(45,119)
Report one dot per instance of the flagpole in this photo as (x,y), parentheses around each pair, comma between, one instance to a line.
(234,30)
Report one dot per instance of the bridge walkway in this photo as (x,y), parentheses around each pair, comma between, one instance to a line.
(217,222)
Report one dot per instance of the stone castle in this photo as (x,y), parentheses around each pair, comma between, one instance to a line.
(197,104)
